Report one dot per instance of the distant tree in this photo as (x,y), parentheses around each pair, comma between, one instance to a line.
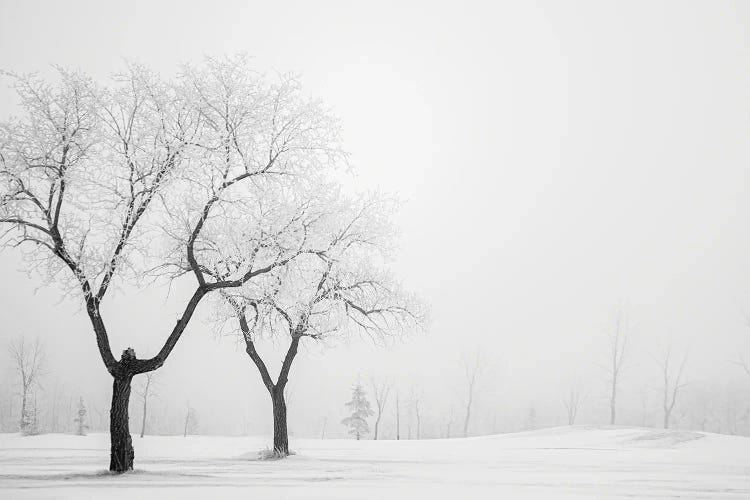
(56,403)
(191,421)
(449,423)
(323,428)
(81,420)
(573,404)
(28,361)
(743,363)
(380,390)
(671,383)
(398,419)
(145,391)
(531,423)
(472,371)
(416,401)
(360,408)
(618,348)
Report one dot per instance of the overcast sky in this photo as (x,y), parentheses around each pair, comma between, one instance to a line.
(557,159)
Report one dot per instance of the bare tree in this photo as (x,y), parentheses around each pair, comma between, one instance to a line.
(644,407)
(745,368)
(742,362)
(672,383)
(380,391)
(28,360)
(323,428)
(57,397)
(449,423)
(91,176)
(145,391)
(573,404)
(416,400)
(618,348)
(333,290)
(398,419)
(472,371)
(191,421)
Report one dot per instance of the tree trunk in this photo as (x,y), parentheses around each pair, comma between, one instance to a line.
(377,422)
(613,402)
(121,451)
(466,420)
(280,432)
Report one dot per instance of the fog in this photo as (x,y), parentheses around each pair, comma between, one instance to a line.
(556,164)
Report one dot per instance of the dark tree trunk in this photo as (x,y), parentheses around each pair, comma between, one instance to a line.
(121,451)
(280,431)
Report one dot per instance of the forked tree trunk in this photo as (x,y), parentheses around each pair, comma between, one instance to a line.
(280,431)
(121,450)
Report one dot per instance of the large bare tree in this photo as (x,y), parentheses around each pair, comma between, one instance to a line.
(28,358)
(147,178)
(336,290)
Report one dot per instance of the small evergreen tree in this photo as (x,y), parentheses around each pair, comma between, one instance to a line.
(360,407)
(81,419)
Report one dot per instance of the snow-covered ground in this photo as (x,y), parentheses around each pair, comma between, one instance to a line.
(565,462)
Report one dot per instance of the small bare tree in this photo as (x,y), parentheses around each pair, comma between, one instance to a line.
(398,419)
(145,391)
(28,359)
(742,362)
(618,348)
(573,404)
(416,401)
(472,371)
(323,428)
(448,423)
(191,421)
(380,391)
(672,383)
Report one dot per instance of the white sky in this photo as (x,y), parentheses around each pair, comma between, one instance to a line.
(557,159)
